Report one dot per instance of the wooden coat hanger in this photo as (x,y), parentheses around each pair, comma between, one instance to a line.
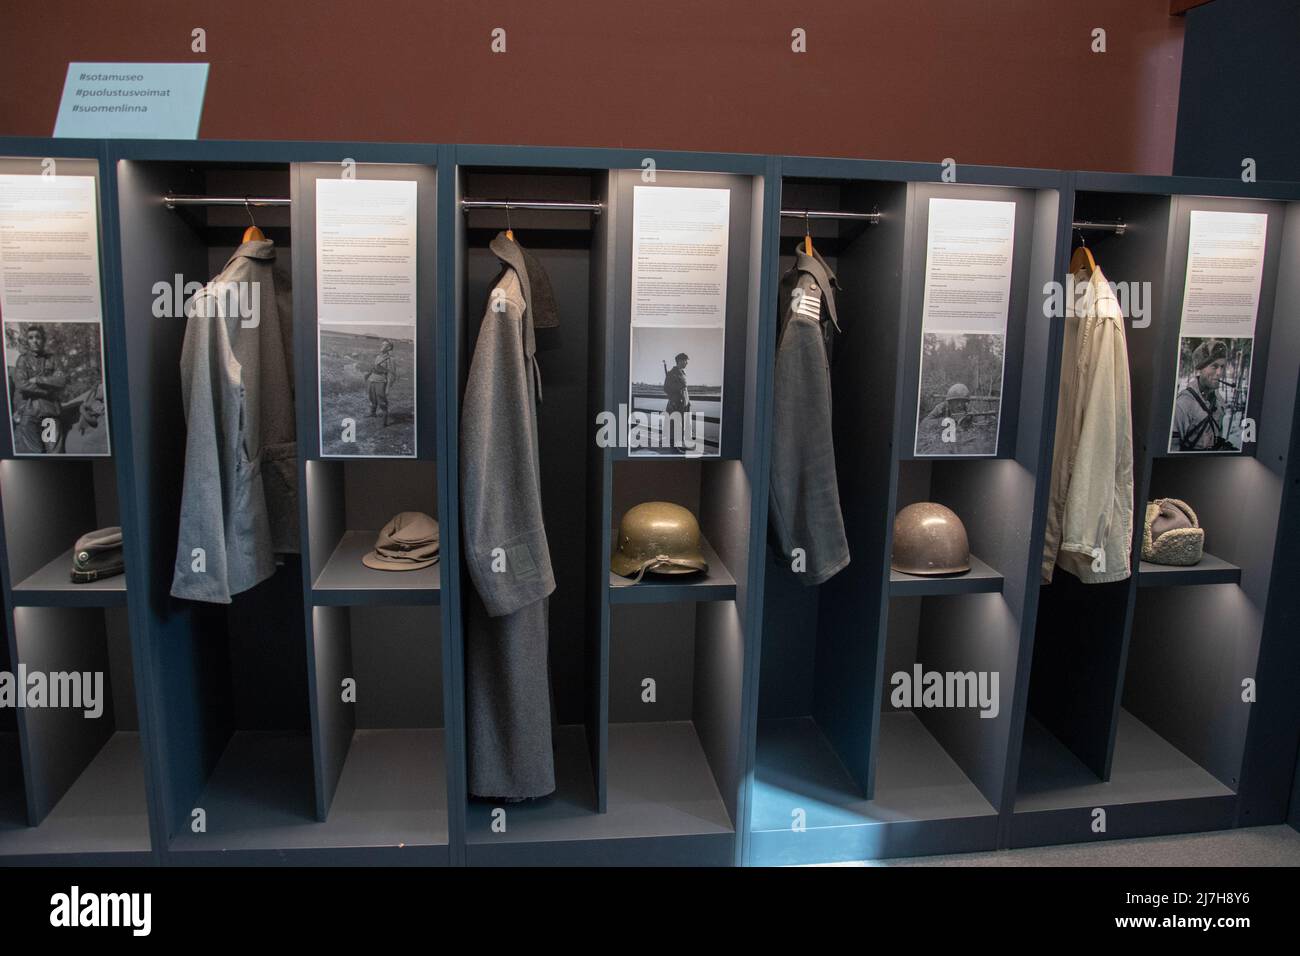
(807,235)
(1082,259)
(252,233)
(510,233)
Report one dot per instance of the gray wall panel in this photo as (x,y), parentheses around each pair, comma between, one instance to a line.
(338,719)
(719,670)
(654,641)
(61,740)
(397,662)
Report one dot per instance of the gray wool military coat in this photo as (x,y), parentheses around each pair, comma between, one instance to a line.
(239,500)
(508,691)
(804,499)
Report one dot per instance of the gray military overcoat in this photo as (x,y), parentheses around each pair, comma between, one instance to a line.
(508,691)
(804,503)
(239,501)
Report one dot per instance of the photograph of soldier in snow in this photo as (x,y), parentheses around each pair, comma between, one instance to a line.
(1210,404)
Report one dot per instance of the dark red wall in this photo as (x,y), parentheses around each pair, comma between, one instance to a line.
(1007,82)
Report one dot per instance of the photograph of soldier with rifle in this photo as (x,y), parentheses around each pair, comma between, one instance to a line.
(684,408)
(960,399)
(56,388)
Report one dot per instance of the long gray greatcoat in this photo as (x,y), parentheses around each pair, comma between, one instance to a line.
(508,699)
(239,500)
(804,499)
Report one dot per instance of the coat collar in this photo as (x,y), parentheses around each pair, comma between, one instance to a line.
(539,300)
(253,249)
(816,267)
(538,296)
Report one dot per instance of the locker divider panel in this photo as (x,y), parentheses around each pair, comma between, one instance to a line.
(849,664)
(1274,719)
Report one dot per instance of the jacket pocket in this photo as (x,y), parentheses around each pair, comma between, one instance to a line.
(280,481)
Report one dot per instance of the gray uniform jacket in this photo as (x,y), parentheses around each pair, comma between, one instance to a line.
(508,690)
(805,498)
(239,500)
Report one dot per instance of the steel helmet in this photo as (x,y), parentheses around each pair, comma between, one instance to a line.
(929,539)
(957,391)
(659,537)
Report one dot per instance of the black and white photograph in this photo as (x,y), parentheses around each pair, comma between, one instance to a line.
(367,390)
(960,402)
(676,379)
(57,403)
(1211,394)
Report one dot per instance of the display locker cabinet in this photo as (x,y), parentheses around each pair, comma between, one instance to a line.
(846,768)
(1139,703)
(230,691)
(73,776)
(375,648)
(647,678)
(303,721)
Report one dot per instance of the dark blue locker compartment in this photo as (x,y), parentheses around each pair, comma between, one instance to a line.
(841,773)
(73,777)
(1137,704)
(230,687)
(625,787)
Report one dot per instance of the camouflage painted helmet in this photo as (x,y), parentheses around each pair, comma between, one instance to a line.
(929,539)
(658,537)
(957,391)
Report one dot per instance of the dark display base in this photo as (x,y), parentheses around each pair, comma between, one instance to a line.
(103,812)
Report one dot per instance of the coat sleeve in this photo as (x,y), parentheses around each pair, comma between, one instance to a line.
(505,540)
(804,500)
(202,522)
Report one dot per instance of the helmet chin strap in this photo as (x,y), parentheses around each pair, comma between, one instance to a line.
(655,563)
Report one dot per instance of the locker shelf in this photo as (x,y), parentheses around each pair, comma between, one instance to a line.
(1209,570)
(715,584)
(661,792)
(345,580)
(923,802)
(1153,789)
(390,805)
(51,587)
(104,811)
(1146,768)
(392,792)
(981,578)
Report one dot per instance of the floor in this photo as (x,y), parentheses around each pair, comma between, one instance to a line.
(1254,846)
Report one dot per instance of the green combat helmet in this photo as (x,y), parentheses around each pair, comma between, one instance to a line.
(658,537)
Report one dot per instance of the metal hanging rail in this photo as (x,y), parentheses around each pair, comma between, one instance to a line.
(171,202)
(1084,225)
(596,208)
(869,217)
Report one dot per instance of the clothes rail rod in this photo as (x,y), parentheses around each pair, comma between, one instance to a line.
(173,201)
(871,217)
(1118,228)
(593,207)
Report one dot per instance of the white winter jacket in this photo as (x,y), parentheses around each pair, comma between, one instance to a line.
(1090,518)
